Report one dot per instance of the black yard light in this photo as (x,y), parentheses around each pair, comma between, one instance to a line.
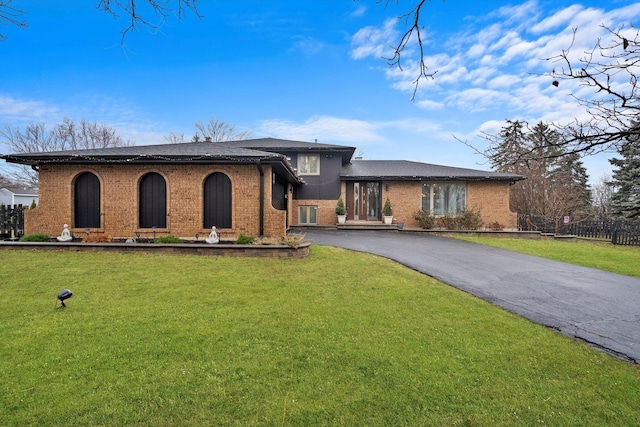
(63,295)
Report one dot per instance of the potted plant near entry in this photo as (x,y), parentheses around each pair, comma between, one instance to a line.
(387,212)
(341,211)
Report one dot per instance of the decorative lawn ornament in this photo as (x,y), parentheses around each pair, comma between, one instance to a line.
(63,295)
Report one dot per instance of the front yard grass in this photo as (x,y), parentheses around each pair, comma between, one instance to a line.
(587,253)
(339,338)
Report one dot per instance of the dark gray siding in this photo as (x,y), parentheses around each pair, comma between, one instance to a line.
(325,186)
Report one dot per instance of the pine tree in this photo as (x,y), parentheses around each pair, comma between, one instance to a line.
(625,201)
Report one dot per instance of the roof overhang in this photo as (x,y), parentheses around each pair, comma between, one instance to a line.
(279,163)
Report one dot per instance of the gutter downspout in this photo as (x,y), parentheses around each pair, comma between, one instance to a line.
(261,170)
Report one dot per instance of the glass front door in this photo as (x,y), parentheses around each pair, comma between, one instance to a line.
(373,201)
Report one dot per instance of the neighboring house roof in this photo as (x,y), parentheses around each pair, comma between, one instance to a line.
(21,191)
(190,152)
(414,171)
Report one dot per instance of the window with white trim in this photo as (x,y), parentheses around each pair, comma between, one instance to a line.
(308,164)
(444,198)
(308,215)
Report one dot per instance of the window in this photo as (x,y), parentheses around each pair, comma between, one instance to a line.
(308,215)
(444,198)
(309,164)
(217,201)
(86,201)
(152,206)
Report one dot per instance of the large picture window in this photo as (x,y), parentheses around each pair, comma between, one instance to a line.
(153,201)
(444,198)
(217,201)
(308,215)
(309,164)
(87,201)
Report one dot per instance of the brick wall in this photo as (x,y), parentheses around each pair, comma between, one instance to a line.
(119,200)
(490,197)
(326,211)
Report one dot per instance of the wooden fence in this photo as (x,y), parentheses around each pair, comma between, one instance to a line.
(619,232)
(11,221)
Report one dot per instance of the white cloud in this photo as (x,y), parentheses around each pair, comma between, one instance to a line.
(323,128)
(496,66)
(373,41)
(358,11)
(20,111)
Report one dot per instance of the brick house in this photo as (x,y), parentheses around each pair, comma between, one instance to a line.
(252,187)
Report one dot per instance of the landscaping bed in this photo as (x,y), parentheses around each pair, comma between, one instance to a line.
(220,249)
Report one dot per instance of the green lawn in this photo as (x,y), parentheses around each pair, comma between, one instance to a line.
(588,253)
(340,338)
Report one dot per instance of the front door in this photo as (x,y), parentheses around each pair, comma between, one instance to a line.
(373,201)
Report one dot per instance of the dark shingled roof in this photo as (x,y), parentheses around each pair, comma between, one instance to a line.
(415,171)
(190,152)
(269,144)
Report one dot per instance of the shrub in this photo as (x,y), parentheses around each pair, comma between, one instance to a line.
(36,237)
(33,204)
(97,238)
(245,240)
(340,209)
(469,219)
(387,210)
(425,219)
(168,239)
(496,226)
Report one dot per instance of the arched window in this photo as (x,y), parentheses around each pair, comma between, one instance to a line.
(86,201)
(152,205)
(217,201)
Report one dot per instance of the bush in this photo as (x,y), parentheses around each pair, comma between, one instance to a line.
(97,238)
(168,239)
(387,210)
(340,209)
(245,240)
(425,219)
(293,240)
(496,226)
(466,220)
(36,237)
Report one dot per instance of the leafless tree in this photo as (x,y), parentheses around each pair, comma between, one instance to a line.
(218,131)
(68,135)
(601,193)
(611,69)
(175,138)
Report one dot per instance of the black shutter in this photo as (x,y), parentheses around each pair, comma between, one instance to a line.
(217,201)
(87,201)
(153,201)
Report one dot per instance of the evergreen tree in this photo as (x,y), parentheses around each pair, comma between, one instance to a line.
(625,201)
(556,183)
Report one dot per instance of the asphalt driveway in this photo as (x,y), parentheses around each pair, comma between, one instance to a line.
(600,308)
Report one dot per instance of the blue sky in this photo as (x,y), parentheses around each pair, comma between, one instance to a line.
(304,70)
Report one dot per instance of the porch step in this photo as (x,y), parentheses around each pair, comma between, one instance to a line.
(366,225)
(349,225)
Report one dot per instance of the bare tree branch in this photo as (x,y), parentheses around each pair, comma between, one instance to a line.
(138,19)
(610,69)
(415,30)
(9,15)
